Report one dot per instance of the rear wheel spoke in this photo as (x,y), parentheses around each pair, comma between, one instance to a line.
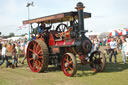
(34,65)
(37,48)
(71,62)
(34,47)
(30,59)
(31,50)
(40,63)
(39,52)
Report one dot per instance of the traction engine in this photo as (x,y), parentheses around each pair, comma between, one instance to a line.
(64,45)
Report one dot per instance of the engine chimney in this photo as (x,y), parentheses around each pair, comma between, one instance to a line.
(80,8)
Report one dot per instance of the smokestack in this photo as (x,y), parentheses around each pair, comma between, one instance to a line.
(80,8)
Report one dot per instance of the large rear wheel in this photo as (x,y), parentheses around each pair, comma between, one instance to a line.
(37,56)
(97,61)
(69,64)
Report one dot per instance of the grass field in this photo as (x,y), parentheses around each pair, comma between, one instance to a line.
(114,74)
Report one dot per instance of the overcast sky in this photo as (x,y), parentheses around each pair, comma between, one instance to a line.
(106,14)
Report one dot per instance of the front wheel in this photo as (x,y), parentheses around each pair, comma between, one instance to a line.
(69,64)
(97,61)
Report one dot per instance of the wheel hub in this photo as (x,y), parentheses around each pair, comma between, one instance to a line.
(35,56)
(66,65)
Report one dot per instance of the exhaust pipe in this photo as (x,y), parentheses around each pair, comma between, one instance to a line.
(80,8)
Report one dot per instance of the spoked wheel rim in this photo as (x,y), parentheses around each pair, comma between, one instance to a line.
(69,64)
(1,60)
(98,61)
(36,56)
(61,28)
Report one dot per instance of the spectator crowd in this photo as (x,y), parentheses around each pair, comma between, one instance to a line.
(16,50)
(113,46)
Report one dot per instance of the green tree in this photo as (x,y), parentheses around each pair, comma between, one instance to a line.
(11,34)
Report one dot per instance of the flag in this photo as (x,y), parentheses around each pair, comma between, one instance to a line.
(23,26)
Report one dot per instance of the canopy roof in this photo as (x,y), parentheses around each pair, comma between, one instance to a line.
(66,16)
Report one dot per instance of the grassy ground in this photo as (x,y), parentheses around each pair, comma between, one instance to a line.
(114,74)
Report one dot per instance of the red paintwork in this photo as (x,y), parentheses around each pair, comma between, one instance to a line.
(67,33)
(64,42)
(51,40)
(81,57)
(61,42)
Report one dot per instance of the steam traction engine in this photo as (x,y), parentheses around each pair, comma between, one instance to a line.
(62,45)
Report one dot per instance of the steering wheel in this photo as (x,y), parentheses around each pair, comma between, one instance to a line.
(62,28)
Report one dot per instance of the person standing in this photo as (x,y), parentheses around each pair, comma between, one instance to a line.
(124,49)
(25,52)
(14,62)
(4,56)
(96,44)
(108,41)
(113,52)
(18,52)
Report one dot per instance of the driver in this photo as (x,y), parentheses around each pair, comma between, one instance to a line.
(41,28)
(43,31)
